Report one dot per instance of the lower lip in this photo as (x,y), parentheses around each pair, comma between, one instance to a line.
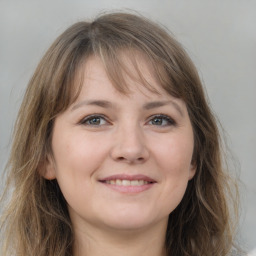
(129,189)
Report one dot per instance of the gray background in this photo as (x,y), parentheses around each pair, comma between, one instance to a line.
(219,35)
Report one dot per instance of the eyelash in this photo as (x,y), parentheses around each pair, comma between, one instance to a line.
(91,117)
(169,120)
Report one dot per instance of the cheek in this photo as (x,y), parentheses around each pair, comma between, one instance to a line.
(175,155)
(77,152)
(75,164)
(174,161)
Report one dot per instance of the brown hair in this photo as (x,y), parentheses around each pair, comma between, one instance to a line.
(36,220)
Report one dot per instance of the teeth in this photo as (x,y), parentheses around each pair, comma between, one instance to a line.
(134,182)
(141,182)
(127,182)
(118,182)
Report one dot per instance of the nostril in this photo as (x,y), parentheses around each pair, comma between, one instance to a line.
(121,158)
(124,159)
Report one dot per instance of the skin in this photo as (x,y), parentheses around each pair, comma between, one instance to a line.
(106,133)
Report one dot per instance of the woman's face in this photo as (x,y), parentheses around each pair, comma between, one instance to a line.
(122,162)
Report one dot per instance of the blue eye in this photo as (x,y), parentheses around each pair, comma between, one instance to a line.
(161,120)
(94,120)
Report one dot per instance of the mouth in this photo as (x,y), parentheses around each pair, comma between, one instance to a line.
(128,183)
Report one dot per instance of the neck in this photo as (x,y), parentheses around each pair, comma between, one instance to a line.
(98,242)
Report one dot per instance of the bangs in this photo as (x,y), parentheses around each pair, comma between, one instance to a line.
(129,66)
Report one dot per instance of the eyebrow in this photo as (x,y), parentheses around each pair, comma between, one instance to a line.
(108,104)
(100,103)
(157,104)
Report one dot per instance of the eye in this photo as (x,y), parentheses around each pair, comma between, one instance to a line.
(94,120)
(161,120)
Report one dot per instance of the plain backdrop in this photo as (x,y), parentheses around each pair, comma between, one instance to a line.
(219,35)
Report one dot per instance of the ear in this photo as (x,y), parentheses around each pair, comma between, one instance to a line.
(192,171)
(47,169)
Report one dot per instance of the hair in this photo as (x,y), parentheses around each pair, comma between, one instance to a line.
(35,220)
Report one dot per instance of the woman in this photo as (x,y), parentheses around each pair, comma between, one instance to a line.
(116,151)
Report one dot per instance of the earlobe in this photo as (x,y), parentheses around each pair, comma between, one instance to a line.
(192,171)
(48,170)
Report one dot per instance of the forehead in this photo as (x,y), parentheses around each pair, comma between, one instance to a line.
(127,71)
(126,74)
(98,89)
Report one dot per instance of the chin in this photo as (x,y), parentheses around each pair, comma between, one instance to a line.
(129,221)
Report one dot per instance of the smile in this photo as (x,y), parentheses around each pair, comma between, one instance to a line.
(127,182)
(130,184)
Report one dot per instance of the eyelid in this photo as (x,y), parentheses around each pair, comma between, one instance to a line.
(171,121)
(86,118)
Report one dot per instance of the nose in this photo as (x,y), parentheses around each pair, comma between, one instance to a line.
(130,146)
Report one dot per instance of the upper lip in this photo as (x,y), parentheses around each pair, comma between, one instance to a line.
(128,177)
